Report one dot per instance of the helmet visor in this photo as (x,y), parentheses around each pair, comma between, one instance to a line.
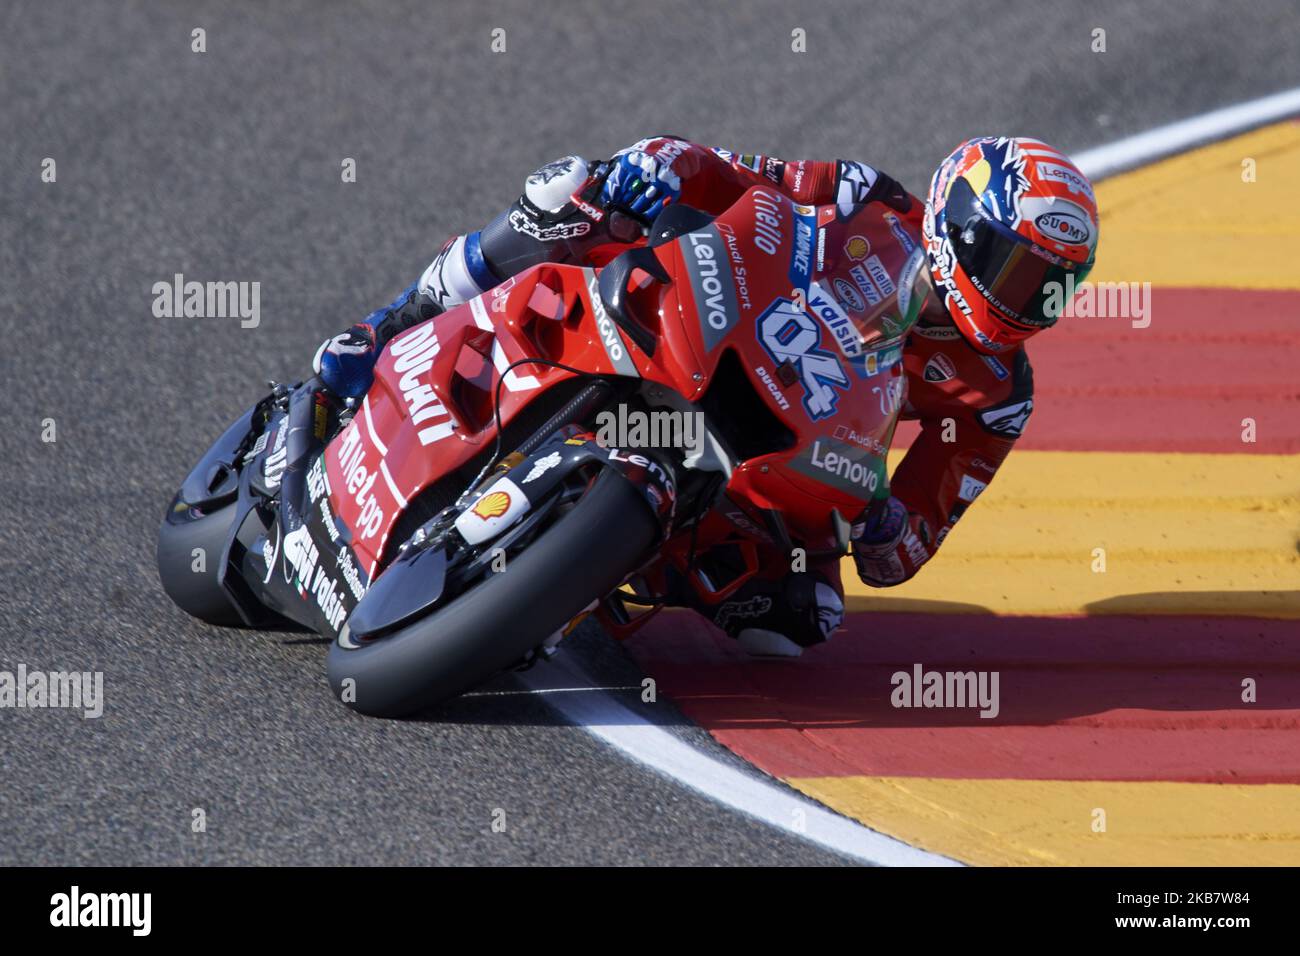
(1023,281)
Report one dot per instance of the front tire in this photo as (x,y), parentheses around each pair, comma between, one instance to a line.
(580,558)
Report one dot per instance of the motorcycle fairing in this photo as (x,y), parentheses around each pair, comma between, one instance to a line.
(430,408)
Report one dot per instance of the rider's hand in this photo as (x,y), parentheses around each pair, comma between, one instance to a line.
(878,550)
(881,526)
(346,363)
(641,183)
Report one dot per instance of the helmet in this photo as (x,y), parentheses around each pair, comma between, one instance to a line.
(1008,222)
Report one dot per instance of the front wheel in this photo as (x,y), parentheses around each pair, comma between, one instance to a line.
(583,556)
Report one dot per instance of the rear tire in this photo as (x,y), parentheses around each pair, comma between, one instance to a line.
(180,543)
(580,558)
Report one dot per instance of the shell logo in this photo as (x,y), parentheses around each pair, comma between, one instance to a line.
(492,505)
(857,248)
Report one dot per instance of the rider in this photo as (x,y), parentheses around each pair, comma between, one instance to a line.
(1005,222)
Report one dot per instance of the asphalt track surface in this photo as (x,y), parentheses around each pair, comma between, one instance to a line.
(225,166)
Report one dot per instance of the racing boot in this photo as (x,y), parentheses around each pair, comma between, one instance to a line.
(781,618)
(346,362)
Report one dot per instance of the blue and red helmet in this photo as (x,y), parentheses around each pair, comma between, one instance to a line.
(1007,222)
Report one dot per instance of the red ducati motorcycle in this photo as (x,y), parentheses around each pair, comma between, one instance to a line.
(462,516)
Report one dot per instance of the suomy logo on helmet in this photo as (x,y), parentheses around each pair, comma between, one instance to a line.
(1063,227)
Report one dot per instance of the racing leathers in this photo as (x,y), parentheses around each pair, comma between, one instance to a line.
(971,407)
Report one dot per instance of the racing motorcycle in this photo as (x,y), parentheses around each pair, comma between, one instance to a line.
(460,518)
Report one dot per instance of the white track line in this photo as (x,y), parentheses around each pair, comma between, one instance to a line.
(1165,140)
(654,747)
(651,746)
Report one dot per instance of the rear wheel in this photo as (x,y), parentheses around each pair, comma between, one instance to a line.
(580,558)
(198,522)
(190,545)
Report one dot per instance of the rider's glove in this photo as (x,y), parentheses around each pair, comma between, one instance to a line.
(346,363)
(878,549)
(641,183)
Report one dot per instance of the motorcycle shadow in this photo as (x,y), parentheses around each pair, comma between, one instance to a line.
(1174,662)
